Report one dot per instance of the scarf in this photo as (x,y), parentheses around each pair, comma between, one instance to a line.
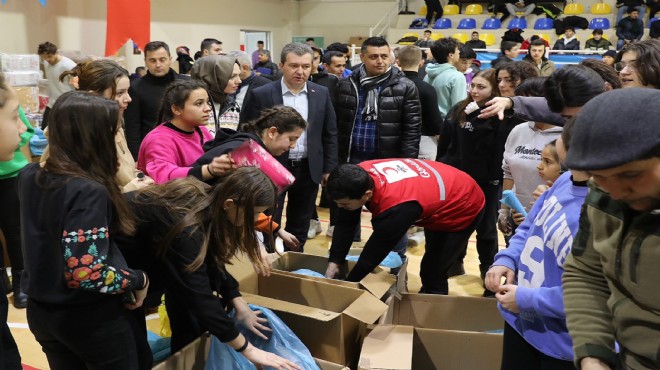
(370,84)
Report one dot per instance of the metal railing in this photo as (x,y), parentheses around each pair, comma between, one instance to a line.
(383,26)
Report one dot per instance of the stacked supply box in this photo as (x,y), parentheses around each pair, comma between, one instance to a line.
(21,71)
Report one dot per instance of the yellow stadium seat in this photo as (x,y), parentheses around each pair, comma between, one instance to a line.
(488,38)
(451,9)
(601,8)
(462,37)
(436,36)
(474,9)
(574,9)
(605,37)
(545,37)
(408,34)
(422,10)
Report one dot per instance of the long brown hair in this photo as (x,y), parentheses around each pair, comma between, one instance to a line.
(459,112)
(82,144)
(96,75)
(194,206)
(283,118)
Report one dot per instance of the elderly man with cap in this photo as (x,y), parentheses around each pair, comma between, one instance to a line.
(611,277)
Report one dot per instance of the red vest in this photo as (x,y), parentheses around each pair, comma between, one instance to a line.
(450,198)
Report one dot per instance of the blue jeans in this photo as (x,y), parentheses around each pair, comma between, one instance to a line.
(624,9)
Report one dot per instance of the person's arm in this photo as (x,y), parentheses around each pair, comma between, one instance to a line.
(619,30)
(89,251)
(446,136)
(132,123)
(589,321)
(411,127)
(159,160)
(329,138)
(431,114)
(641,31)
(388,229)
(459,91)
(575,45)
(342,237)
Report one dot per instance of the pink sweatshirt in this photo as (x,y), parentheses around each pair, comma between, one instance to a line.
(166,154)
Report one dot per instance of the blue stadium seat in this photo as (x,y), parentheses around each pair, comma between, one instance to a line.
(518,23)
(442,24)
(602,23)
(544,24)
(467,24)
(492,24)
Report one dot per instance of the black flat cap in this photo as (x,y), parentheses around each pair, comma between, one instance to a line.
(615,128)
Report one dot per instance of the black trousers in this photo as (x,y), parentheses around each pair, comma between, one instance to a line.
(10,222)
(44,121)
(518,354)
(433,7)
(96,336)
(10,359)
(487,228)
(302,201)
(442,249)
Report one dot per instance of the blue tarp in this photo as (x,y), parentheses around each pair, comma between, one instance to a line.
(559,59)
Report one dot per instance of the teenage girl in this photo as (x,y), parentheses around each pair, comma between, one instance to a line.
(77,281)
(11,129)
(193,230)
(170,149)
(549,168)
(109,80)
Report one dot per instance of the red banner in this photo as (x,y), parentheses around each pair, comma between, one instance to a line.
(127,19)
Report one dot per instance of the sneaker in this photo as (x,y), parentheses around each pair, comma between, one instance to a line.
(328,232)
(314,229)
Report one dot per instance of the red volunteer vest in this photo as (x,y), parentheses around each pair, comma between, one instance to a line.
(450,198)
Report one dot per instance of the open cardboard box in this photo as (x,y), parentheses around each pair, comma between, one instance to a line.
(194,355)
(329,319)
(379,282)
(432,311)
(397,347)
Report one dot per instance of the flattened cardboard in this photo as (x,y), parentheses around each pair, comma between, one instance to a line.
(378,282)
(407,348)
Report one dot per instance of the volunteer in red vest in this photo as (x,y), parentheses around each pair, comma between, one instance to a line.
(400,193)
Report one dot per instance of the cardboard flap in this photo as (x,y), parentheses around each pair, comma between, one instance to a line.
(293,308)
(388,347)
(367,308)
(378,282)
(327,365)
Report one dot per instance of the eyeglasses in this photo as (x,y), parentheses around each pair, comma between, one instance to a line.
(621,65)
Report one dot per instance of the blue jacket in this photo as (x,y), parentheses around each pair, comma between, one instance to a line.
(537,253)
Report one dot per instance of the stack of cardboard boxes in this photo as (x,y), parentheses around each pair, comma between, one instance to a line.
(21,71)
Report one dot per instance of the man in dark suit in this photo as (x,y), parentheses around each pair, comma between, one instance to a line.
(314,155)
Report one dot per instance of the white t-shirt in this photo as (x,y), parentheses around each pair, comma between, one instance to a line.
(53,72)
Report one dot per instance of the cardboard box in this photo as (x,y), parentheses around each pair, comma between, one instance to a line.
(22,78)
(19,62)
(407,348)
(378,283)
(445,312)
(329,319)
(28,98)
(194,355)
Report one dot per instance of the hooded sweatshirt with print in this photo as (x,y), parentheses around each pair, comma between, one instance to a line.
(449,83)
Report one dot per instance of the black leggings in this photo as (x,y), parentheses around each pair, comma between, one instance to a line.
(10,359)
(10,222)
(518,354)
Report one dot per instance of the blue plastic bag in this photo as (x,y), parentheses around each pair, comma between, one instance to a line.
(160,347)
(308,272)
(392,260)
(38,142)
(282,342)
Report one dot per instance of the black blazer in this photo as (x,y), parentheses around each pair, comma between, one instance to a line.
(321,123)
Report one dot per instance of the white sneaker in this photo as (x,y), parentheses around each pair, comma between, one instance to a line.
(330,230)
(314,229)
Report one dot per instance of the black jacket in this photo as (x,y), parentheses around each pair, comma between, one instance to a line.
(142,113)
(476,44)
(428,98)
(399,116)
(326,80)
(501,59)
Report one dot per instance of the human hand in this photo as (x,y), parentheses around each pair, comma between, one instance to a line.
(496,107)
(506,295)
(262,359)
(220,165)
(592,363)
(494,276)
(250,319)
(139,295)
(332,270)
(324,179)
(289,240)
(266,261)
(503,221)
(518,218)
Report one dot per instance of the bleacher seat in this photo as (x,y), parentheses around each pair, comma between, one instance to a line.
(653,20)
(442,24)
(467,24)
(574,9)
(451,9)
(544,24)
(492,24)
(518,23)
(601,8)
(488,38)
(474,9)
(602,23)
(462,37)
(409,34)
(545,37)
(436,36)
(422,10)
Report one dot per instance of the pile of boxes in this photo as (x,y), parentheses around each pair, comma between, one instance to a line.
(21,71)
(336,320)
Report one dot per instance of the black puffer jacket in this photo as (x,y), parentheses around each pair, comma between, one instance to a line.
(399,116)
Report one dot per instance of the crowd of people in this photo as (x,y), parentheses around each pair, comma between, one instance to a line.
(139,191)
